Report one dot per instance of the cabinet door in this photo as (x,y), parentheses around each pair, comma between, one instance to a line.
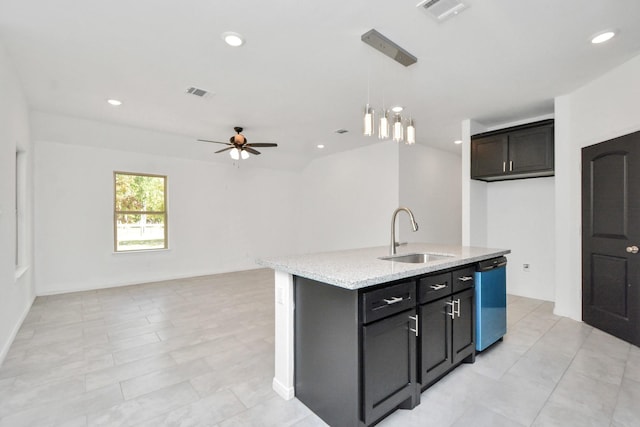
(531,150)
(489,156)
(435,340)
(463,330)
(389,364)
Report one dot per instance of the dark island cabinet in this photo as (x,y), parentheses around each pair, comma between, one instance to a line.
(524,151)
(361,354)
(447,329)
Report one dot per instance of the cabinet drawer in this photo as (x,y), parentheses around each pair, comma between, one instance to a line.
(463,279)
(387,301)
(433,287)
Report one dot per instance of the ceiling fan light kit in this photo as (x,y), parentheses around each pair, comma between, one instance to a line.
(239,147)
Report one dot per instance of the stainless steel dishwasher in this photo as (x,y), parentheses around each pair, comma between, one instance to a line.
(491,301)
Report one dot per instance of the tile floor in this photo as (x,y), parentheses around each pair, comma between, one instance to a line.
(199,352)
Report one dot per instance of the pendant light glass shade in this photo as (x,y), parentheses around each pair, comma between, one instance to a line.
(368,121)
(235,154)
(383,129)
(411,132)
(244,155)
(398,131)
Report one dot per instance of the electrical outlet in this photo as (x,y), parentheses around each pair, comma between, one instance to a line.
(526,267)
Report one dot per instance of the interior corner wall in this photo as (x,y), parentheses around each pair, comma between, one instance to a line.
(430,185)
(521,217)
(601,110)
(474,193)
(220,217)
(346,199)
(16,283)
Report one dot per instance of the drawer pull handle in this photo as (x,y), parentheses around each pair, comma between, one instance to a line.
(393,300)
(438,287)
(458,302)
(452,313)
(465,278)
(416,320)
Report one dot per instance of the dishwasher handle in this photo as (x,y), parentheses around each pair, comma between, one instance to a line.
(490,264)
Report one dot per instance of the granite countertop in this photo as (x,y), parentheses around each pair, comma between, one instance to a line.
(359,268)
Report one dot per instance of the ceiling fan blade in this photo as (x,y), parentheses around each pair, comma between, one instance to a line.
(250,150)
(261,144)
(217,142)
(224,149)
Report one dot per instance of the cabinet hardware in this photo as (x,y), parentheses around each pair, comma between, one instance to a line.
(417,325)
(458,311)
(632,249)
(504,166)
(465,278)
(393,300)
(438,287)
(452,313)
(510,165)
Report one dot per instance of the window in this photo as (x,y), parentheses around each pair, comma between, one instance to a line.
(140,212)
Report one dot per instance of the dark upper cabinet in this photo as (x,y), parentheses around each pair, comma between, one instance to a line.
(524,151)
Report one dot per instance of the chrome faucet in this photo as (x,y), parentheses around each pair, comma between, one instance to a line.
(414,224)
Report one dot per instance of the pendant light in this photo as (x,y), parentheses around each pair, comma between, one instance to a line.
(368,121)
(383,129)
(235,154)
(398,131)
(411,132)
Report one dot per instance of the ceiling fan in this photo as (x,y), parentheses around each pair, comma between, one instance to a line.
(239,146)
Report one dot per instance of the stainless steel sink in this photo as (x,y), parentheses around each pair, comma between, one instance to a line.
(421,258)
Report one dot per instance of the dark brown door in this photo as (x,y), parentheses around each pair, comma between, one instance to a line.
(531,150)
(489,156)
(388,364)
(435,339)
(611,236)
(463,329)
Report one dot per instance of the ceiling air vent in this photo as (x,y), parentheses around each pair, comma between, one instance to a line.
(441,9)
(197,92)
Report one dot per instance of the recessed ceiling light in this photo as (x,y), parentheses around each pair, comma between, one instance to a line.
(233,39)
(320,146)
(114,102)
(397,109)
(457,141)
(602,37)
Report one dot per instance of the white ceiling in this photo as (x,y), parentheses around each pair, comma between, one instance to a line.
(304,72)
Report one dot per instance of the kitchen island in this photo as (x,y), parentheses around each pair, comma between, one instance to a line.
(341,297)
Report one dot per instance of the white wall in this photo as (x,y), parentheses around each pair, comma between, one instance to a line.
(347,199)
(16,287)
(430,185)
(521,217)
(606,108)
(220,217)
(474,193)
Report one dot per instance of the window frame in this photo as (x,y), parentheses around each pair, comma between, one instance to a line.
(116,212)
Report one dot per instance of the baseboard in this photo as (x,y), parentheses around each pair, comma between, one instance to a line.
(7,345)
(287,393)
(140,281)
